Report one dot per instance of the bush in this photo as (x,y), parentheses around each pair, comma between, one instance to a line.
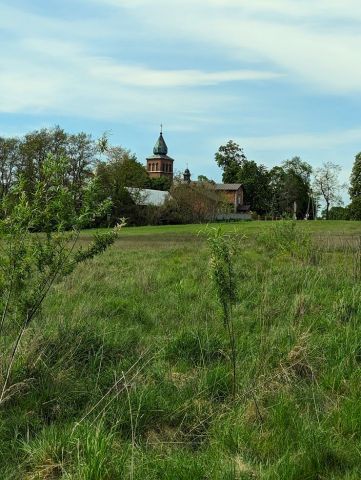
(338,213)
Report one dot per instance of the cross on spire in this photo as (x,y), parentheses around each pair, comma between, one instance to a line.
(161,128)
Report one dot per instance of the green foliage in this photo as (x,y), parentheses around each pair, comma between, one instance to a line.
(162,183)
(287,238)
(297,186)
(222,248)
(101,241)
(254,178)
(203,178)
(355,189)
(230,158)
(30,263)
(355,208)
(196,347)
(26,166)
(355,180)
(133,342)
(338,213)
(290,183)
(271,192)
(112,177)
(327,185)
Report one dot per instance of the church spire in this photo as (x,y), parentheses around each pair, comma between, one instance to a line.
(159,164)
(160,148)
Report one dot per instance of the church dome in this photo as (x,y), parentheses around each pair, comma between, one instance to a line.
(160,148)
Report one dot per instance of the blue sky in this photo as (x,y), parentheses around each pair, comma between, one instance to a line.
(280,77)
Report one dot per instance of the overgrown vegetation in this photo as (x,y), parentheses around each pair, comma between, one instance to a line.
(30,263)
(125,372)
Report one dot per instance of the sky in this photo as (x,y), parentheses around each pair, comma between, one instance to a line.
(279,77)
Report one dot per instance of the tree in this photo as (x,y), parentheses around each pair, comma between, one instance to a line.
(327,185)
(34,150)
(230,158)
(338,213)
(9,163)
(31,263)
(122,170)
(355,189)
(160,183)
(277,185)
(296,186)
(355,181)
(238,169)
(255,181)
(82,152)
(203,178)
(355,208)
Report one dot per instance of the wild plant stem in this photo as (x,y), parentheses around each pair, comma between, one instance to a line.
(30,315)
(232,341)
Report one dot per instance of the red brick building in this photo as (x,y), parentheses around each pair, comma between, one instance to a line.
(159,164)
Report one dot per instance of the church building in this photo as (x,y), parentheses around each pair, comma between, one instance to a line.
(159,164)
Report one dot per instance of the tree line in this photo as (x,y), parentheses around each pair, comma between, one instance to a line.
(292,188)
(94,172)
(90,167)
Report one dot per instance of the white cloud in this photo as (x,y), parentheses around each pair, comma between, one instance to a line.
(321,146)
(305,141)
(350,9)
(141,76)
(48,71)
(316,43)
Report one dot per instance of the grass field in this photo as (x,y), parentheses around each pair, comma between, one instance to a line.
(126,373)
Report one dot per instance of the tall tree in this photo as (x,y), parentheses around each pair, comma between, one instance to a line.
(9,163)
(230,158)
(297,186)
(255,180)
(34,150)
(82,152)
(327,185)
(355,181)
(238,169)
(277,185)
(355,189)
(122,170)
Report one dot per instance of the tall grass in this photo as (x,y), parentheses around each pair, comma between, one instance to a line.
(125,374)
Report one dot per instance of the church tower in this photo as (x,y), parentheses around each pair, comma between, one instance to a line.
(159,164)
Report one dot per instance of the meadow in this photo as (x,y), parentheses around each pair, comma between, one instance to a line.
(126,372)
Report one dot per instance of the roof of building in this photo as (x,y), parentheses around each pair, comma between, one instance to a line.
(146,196)
(228,186)
(160,148)
(158,156)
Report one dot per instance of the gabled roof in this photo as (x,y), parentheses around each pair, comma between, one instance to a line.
(228,186)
